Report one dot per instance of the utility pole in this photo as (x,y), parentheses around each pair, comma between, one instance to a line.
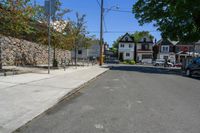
(101,33)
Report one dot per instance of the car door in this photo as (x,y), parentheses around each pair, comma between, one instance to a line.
(197,67)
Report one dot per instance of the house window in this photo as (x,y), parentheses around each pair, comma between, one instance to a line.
(165,57)
(165,49)
(126,39)
(145,39)
(79,52)
(127,54)
(191,49)
(122,45)
(178,49)
(145,47)
(130,45)
(198,61)
(147,56)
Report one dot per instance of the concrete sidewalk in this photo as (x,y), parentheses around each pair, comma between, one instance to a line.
(23,97)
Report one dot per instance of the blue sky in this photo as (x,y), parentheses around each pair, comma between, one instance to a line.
(115,21)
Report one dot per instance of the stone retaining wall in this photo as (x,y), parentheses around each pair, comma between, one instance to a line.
(22,52)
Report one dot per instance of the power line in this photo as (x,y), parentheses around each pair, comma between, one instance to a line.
(105,27)
(120,31)
(98,3)
(116,10)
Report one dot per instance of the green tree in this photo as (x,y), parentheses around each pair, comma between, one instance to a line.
(15,19)
(116,42)
(138,35)
(176,19)
(76,31)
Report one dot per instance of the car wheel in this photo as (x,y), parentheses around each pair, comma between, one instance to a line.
(188,73)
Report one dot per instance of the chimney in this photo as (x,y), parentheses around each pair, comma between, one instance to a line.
(155,40)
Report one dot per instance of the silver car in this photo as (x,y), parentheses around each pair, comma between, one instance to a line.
(159,62)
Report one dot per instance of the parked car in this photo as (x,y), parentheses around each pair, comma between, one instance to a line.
(159,62)
(162,62)
(194,67)
(169,64)
(178,65)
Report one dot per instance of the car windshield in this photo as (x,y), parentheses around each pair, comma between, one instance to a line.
(160,60)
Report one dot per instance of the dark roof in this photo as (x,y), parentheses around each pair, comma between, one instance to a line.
(166,42)
(145,42)
(145,39)
(185,43)
(127,34)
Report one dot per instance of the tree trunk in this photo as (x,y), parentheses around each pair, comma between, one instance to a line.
(75,56)
(55,63)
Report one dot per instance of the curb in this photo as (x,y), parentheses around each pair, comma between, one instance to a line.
(11,73)
(68,95)
(77,89)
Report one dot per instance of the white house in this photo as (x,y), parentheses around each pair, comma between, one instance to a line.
(84,53)
(140,51)
(126,48)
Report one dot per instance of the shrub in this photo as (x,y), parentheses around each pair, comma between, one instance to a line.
(125,62)
(55,63)
(131,62)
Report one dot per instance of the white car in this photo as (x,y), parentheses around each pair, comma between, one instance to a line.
(159,62)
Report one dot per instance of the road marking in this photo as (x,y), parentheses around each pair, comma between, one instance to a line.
(139,102)
(111,90)
(115,79)
(99,126)
(107,87)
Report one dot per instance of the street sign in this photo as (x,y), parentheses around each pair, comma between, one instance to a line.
(54,6)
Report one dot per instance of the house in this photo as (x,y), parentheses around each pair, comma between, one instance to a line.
(85,53)
(140,52)
(126,48)
(184,51)
(167,49)
(144,50)
(176,52)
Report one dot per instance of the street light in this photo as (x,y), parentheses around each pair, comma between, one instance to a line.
(50,10)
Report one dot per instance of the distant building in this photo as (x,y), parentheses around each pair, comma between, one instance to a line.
(144,50)
(59,25)
(85,53)
(177,51)
(183,51)
(167,49)
(126,48)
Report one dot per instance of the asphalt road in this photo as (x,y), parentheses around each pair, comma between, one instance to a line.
(127,99)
